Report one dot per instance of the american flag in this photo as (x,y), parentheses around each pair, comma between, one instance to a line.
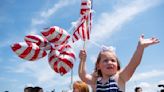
(83,27)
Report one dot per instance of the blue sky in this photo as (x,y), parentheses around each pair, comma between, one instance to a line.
(115,22)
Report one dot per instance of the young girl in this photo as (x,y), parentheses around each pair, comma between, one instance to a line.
(107,76)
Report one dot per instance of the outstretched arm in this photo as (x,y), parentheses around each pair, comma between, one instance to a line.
(82,69)
(127,73)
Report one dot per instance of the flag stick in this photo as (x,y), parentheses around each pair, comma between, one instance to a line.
(71,79)
(84,45)
(87,29)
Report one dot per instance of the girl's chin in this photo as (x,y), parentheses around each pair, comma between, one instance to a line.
(110,73)
(110,70)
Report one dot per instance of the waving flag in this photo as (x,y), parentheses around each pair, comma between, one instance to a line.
(83,28)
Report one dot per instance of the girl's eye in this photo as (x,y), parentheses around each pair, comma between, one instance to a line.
(106,60)
(112,60)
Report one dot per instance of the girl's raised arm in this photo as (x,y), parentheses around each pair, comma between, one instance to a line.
(127,73)
(82,69)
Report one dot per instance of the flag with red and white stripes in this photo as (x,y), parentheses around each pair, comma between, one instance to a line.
(83,27)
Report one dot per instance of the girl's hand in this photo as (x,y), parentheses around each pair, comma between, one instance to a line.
(143,43)
(82,55)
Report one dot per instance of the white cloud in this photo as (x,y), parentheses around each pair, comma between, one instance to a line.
(147,75)
(144,84)
(151,87)
(42,74)
(37,21)
(148,87)
(108,23)
(56,7)
(38,69)
(143,80)
(33,31)
(93,59)
(29,85)
(46,14)
(161,82)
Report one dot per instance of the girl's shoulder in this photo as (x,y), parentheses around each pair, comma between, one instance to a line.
(119,80)
(91,79)
(117,75)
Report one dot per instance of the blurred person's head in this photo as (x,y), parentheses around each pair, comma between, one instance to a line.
(37,89)
(138,89)
(80,86)
(28,89)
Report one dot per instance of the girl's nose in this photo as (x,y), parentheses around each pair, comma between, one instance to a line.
(109,62)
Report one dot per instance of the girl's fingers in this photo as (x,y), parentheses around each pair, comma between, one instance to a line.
(157,40)
(82,53)
(142,36)
(153,38)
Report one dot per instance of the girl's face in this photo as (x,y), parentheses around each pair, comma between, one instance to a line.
(108,63)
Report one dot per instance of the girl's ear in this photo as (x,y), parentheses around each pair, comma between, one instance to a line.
(98,67)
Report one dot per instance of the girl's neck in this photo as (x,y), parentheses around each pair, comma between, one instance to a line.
(106,77)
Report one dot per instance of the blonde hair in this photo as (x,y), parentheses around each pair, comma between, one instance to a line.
(81,86)
(97,72)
